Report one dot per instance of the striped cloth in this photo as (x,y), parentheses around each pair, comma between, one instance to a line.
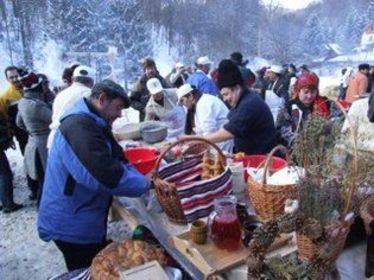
(196,195)
(79,274)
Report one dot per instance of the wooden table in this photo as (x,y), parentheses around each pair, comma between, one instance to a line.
(135,212)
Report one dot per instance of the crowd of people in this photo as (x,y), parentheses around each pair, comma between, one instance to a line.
(74,165)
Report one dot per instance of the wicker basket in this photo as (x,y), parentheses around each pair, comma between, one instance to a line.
(166,191)
(269,200)
(307,248)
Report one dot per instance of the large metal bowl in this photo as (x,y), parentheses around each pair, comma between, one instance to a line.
(153,132)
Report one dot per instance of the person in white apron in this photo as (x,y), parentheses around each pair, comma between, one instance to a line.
(163,106)
(277,94)
(207,113)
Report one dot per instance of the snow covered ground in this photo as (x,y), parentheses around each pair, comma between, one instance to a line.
(22,254)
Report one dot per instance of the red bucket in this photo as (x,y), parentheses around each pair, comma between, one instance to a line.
(143,159)
(277,163)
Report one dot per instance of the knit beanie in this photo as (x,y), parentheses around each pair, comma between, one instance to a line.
(228,74)
(30,80)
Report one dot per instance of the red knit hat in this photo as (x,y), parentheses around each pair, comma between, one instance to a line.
(309,80)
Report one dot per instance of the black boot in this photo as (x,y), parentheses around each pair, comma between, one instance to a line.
(14,207)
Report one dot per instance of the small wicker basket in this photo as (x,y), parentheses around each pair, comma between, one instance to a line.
(269,200)
(307,248)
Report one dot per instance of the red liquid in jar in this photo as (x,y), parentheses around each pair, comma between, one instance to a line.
(225,232)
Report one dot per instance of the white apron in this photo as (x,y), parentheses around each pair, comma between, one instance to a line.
(174,119)
(275,103)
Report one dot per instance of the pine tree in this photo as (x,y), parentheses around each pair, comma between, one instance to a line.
(314,36)
(353,29)
(370,13)
(130,33)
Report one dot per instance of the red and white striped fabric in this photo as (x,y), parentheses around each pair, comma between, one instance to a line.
(196,195)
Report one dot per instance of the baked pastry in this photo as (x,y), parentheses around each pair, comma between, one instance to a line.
(211,166)
(124,255)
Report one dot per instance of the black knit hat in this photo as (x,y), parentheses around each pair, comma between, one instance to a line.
(228,74)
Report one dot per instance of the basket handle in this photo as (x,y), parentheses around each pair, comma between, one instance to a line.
(192,139)
(268,160)
(352,189)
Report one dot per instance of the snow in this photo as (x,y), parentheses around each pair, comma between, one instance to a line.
(367,57)
(50,62)
(4,62)
(23,254)
(336,48)
(164,56)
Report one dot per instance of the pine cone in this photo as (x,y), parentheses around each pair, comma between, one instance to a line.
(255,265)
(312,229)
(287,223)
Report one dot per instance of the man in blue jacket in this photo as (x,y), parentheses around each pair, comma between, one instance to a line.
(199,78)
(85,168)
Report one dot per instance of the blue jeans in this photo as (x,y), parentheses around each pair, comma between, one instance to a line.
(6,181)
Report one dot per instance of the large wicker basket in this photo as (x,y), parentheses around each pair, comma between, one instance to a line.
(269,200)
(166,192)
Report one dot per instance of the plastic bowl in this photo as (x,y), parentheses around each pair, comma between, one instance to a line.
(277,163)
(143,159)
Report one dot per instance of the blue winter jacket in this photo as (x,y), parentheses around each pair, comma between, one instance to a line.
(85,168)
(202,82)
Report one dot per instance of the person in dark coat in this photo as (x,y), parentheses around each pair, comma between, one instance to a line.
(35,116)
(178,76)
(371,108)
(6,176)
(140,95)
(250,124)
(261,83)
(370,89)
(248,77)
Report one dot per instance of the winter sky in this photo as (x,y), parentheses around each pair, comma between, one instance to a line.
(290,4)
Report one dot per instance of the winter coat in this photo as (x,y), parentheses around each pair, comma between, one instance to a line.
(357,115)
(176,80)
(252,125)
(371,108)
(356,87)
(9,97)
(280,88)
(370,88)
(202,82)
(34,116)
(5,132)
(247,75)
(140,95)
(9,104)
(63,102)
(292,118)
(85,168)
(260,86)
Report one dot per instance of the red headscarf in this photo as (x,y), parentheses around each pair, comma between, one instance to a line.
(310,80)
